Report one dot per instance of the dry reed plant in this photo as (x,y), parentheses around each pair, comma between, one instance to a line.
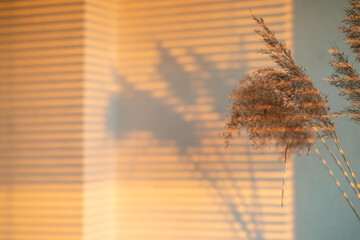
(347,79)
(345,76)
(283,107)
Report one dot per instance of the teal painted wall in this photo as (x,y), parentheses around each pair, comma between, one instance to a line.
(320,210)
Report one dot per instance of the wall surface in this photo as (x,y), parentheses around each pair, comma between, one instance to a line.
(320,210)
(177,62)
(110,115)
(110,119)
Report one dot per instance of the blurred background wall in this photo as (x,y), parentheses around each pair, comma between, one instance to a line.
(320,210)
(110,115)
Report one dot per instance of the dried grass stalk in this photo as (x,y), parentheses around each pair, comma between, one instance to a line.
(282,106)
(347,79)
(271,103)
(345,76)
(337,183)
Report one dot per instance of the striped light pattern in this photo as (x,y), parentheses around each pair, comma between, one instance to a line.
(42,119)
(110,115)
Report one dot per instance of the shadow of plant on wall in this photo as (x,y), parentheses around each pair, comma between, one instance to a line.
(241,206)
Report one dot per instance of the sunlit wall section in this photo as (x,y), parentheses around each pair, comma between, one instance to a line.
(100,84)
(110,115)
(41,119)
(177,61)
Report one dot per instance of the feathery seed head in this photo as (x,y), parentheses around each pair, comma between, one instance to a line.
(274,105)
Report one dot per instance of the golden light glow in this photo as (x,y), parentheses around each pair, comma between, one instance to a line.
(110,115)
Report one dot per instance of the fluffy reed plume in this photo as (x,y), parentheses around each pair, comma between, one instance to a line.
(309,101)
(278,104)
(352,27)
(282,106)
(345,76)
(261,104)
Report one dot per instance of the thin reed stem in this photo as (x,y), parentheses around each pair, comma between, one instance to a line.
(337,183)
(284,175)
(337,142)
(337,162)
